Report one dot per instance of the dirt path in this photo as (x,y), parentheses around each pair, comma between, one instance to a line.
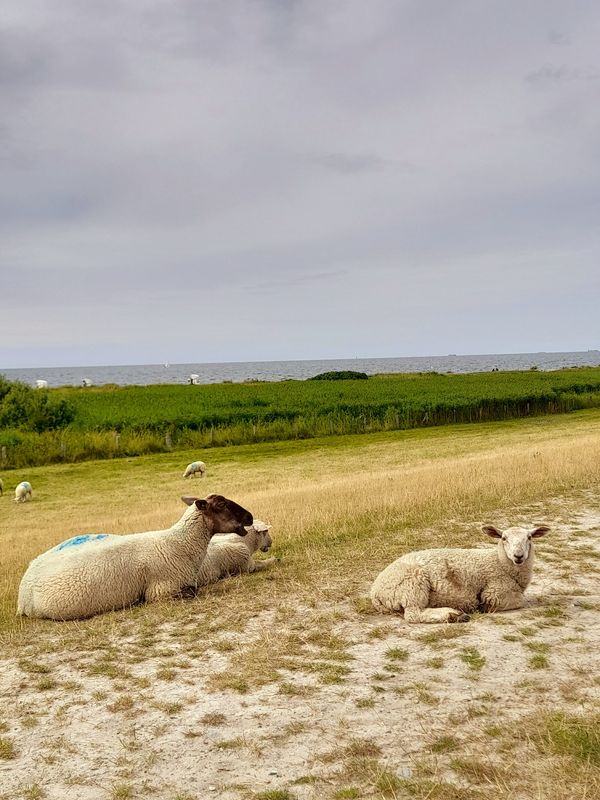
(310,703)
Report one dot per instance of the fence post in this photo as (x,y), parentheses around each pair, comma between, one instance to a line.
(3,454)
(168,441)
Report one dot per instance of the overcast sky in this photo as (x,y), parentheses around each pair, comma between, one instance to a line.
(230,180)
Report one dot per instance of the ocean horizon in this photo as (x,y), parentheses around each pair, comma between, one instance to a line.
(299,369)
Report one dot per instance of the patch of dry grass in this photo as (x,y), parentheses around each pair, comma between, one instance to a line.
(335,522)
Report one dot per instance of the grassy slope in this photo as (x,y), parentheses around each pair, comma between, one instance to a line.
(342,507)
(351,501)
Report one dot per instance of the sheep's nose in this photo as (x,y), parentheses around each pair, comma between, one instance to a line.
(519,559)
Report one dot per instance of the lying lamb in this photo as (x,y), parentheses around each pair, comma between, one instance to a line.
(445,585)
(195,467)
(230,555)
(91,574)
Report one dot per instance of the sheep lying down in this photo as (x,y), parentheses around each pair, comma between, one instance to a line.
(93,573)
(228,554)
(446,584)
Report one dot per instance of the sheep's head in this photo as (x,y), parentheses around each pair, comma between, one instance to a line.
(516,541)
(224,515)
(263,537)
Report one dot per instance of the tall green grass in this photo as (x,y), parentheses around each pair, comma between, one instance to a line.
(113,421)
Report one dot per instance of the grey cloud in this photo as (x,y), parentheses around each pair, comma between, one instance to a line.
(560,73)
(167,160)
(559,38)
(350,163)
(308,278)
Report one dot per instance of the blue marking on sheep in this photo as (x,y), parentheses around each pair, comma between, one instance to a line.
(82,539)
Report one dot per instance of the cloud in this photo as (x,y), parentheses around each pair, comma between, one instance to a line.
(350,163)
(558,73)
(380,165)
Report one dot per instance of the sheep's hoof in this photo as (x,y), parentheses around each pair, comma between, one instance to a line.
(458,616)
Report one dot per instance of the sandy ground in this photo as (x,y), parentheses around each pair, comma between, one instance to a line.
(174,736)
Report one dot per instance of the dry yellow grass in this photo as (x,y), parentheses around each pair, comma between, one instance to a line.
(340,510)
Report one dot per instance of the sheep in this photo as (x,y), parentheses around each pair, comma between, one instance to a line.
(41,384)
(193,468)
(23,492)
(445,585)
(78,580)
(230,555)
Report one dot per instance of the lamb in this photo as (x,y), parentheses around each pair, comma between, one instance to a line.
(105,572)
(230,555)
(445,585)
(23,492)
(193,468)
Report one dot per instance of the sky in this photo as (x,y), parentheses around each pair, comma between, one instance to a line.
(231,180)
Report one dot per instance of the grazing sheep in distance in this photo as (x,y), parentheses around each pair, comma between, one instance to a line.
(231,555)
(23,492)
(445,585)
(111,572)
(41,384)
(193,468)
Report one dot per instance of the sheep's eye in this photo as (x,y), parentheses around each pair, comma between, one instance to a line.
(504,538)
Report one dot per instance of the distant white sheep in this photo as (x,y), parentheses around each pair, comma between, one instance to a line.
(23,492)
(445,585)
(80,578)
(192,469)
(41,384)
(231,555)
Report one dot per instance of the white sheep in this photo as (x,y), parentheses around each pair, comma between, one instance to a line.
(193,468)
(445,585)
(41,384)
(231,555)
(78,579)
(23,492)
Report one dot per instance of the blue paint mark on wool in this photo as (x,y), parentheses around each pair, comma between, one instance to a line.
(82,539)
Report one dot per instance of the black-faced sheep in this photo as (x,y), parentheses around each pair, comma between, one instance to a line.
(80,579)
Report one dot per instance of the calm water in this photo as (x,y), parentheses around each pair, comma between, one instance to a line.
(144,374)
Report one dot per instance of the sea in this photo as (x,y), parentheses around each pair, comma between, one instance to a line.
(240,371)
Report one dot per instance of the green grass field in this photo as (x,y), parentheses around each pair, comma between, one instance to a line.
(123,421)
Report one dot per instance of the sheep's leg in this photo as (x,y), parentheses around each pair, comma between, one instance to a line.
(444,614)
(256,566)
(498,598)
(161,590)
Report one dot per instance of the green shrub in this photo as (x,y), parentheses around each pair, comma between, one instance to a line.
(340,375)
(30,409)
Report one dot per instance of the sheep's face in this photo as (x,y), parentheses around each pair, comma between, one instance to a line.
(263,538)
(516,541)
(225,515)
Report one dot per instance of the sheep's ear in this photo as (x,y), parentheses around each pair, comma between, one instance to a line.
(201,505)
(538,532)
(189,501)
(490,530)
